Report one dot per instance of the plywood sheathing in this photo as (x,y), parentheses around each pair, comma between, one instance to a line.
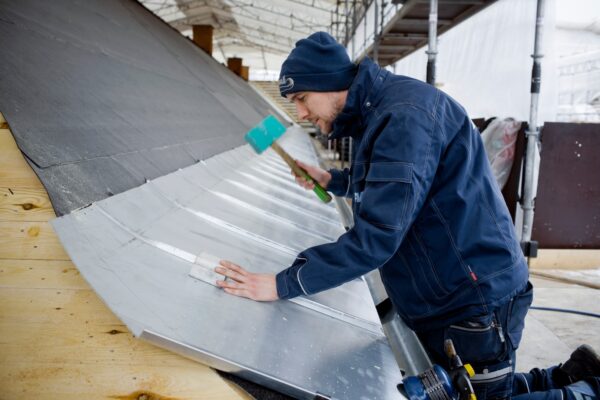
(59,341)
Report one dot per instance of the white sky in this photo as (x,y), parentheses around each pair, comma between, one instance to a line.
(577,11)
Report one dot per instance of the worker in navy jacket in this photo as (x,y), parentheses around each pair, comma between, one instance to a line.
(427,213)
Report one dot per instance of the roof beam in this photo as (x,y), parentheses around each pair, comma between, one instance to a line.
(393,47)
(407,36)
(423,21)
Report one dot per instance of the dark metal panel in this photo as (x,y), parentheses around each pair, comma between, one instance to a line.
(567,206)
(103,94)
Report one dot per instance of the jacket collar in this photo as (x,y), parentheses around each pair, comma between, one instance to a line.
(351,120)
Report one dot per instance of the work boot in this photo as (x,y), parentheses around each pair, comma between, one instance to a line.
(583,363)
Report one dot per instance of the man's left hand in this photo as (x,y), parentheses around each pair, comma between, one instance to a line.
(259,287)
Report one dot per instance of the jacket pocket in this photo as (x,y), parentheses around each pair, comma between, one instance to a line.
(390,172)
(386,197)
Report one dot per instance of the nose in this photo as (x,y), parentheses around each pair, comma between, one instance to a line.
(301,110)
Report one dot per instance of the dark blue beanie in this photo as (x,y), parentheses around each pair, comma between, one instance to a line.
(317,64)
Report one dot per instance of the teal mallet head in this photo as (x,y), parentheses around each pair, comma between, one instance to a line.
(265,133)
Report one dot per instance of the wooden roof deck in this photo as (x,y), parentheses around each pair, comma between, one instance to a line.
(57,338)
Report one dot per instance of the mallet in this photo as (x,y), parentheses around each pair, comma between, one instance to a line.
(265,134)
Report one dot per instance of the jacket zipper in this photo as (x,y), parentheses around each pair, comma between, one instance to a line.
(466,329)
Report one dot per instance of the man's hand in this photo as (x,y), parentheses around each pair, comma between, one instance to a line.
(259,287)
(321,176)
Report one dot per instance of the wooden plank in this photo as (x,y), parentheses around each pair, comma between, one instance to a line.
(34,274)
(30,241)
(51,381)
(70,326)
(562,278)
(67,343)
(566,259)
(25,204)
(14,170)
(64,307)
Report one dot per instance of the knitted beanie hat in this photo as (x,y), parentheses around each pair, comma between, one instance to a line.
(317,64)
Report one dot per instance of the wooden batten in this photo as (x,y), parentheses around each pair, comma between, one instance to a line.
(235,65)
(245,72)
(203,37)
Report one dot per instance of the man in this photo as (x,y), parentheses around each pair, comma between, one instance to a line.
(428,214)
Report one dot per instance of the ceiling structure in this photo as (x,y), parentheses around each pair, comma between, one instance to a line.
(260,32)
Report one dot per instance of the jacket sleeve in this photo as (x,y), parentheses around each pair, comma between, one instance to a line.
(339,183)
(402,165)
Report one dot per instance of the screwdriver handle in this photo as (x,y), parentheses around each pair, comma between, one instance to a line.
(318,189)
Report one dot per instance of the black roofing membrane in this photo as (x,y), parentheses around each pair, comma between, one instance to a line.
(102,95)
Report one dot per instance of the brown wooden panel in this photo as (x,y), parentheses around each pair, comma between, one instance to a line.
(30,241)
(47,274)
(25,204)
(567,207)
(65,343)
(14,170)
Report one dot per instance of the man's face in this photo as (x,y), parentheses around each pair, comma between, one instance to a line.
(320,108)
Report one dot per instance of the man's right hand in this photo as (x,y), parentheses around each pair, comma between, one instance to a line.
(321,176)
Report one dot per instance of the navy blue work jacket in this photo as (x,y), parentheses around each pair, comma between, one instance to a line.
(427,210)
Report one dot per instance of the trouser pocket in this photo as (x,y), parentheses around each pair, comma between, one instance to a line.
(481,342)
(519,305)
(478,339)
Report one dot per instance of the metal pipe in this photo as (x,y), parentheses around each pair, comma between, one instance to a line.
(337,20)
(353,30)
(375,36)
(432,51)
(346,37)
(350,151)
(533,130)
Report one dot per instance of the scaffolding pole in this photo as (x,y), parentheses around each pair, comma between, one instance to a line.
(529,247)
(375,35)
(432,50)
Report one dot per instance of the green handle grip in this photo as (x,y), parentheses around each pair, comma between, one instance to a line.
(320,192)
(318,189)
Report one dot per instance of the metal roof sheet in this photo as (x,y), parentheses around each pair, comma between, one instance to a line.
(160,241)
